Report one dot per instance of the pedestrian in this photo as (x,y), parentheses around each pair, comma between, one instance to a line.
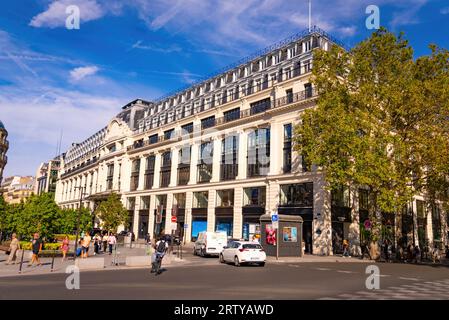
(65,247)
(346,248)
(148,238)
(417,254)
(85,245)
(97,244)
(112,241)
(36,246)
(13,247)
(105,241)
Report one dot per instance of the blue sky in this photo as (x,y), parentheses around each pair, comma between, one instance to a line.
(54,79)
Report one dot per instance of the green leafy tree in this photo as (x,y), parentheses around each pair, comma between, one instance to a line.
(382,121)
(40,214)
(68,220)
(112,213)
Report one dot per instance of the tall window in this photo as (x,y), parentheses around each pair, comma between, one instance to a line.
(188,128)
(254,196)
(287,148)
(231,115)
(110,177)
(184,166)
(260,106)
(153,139)
(258,157)
(165,169)
(340,197)
(225,198)
(169,134)
(200,199)
(149,172)
(297,195)
(229,158)
(208,122)
(205,162)
(436,222)
(308,90)
(135,169)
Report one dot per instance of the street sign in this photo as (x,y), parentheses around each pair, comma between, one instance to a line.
(174,219)
(275,219)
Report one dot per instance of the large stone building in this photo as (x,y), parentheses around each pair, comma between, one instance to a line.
(4,145)
(16,189)
(219,154)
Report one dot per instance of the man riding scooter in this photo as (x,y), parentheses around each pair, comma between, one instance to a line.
(161,248)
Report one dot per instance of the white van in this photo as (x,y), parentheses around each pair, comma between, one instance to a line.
(210,243)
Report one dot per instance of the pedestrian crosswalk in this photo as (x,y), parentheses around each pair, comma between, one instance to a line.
(435,290)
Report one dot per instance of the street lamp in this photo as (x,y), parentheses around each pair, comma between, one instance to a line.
(78,219)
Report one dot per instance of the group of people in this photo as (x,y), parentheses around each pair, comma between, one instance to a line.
(101,243)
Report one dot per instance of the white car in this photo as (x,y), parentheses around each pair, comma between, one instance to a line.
(210,243)
(240,252)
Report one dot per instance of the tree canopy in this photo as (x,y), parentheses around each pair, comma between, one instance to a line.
(381,120)
(112,213)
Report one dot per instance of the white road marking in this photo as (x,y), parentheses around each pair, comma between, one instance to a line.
(410,279)
(323,269)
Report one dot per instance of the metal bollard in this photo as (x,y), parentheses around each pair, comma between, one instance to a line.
(52,261)
(21,261)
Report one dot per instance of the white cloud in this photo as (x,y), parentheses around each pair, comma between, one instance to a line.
(444,10)
(55,15)
(80,73)
(139,45)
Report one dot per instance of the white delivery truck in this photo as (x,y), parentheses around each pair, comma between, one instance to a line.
(210,243)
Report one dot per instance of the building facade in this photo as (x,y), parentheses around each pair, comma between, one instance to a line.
(218,155)
(16,189)
(4,145)
(46,176)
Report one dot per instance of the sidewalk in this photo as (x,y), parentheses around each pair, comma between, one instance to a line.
(60,267)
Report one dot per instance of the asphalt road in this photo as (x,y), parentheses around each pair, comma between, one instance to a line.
(215,281)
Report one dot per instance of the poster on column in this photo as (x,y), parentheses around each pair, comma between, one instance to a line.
(271,234)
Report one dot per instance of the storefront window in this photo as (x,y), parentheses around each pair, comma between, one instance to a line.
(297,195)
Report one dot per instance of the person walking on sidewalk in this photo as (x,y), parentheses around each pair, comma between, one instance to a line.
(112,241)
(36,246)
(65,247)
(85,244)
(345,248)
(105,242)
(97,244)
(13,247)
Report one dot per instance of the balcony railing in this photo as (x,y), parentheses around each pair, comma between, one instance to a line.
(243,114)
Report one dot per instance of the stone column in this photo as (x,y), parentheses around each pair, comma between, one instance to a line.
(216,159)
(243,147)
(157,170)
(238,217)
(167,227)
(322,225)
(275,149)
(142,173)
(188,216)
(193,162)
(152,216)
(354,228)
(211,210)
(174,167)
(136,217)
